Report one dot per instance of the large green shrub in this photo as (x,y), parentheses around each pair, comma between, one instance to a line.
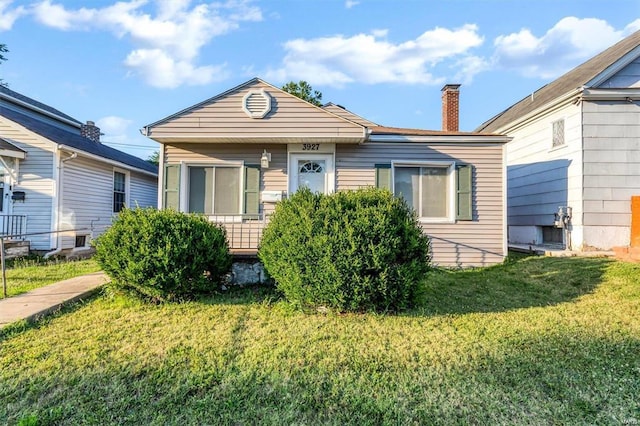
(164,254)
(351,251)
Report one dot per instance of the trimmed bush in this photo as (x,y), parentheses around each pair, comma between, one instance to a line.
(164,254)
(351,251)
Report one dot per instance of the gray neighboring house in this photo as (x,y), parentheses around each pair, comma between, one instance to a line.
(56,175)
(576,144)
(233,156)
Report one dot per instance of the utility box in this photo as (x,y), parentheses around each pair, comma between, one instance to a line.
(635,221)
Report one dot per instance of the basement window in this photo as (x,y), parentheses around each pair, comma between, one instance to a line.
(81,241)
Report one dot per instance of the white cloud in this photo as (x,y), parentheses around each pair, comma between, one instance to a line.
(167,45)
(351,3)
(372,59)
(570,42)
(9,15)
(115,129)
(632,27)
(161,70)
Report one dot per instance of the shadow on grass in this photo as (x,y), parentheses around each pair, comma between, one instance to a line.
(521,283)
(560,378)
(22,326)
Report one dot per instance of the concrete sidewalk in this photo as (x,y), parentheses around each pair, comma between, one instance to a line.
(41,301)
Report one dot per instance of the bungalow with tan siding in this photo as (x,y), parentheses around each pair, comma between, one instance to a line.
(233,156)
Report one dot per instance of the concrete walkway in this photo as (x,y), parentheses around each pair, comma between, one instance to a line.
(41,301)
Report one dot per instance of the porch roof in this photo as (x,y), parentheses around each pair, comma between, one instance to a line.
(8,149)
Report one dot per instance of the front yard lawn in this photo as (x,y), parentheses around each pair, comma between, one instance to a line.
(28,274)
(534,341)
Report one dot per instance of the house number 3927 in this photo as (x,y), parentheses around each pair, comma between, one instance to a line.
(310,146)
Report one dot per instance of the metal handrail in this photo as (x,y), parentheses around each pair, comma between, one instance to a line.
(12,223)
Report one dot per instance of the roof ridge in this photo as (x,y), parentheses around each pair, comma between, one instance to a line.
(36,104)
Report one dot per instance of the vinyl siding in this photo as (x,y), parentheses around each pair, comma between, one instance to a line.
(627,77)
(611,170)
(92,210)
(273,179)
(224,117)
(540,178)
(478,242)
(469,243)
(35,179)
(143,190)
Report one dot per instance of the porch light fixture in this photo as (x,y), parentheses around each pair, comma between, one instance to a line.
(264,160)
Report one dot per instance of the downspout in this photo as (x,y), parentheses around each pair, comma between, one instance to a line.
(60,174)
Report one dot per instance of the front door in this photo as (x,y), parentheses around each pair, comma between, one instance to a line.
(313,171)
(5,194)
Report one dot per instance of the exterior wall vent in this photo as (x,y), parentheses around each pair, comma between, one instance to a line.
(256,104)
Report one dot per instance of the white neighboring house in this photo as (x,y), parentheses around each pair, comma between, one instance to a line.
(55,175)
(576,143)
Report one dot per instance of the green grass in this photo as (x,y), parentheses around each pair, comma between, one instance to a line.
(534,341)
(27,274)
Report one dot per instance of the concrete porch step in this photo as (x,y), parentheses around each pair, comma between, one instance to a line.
(556,251)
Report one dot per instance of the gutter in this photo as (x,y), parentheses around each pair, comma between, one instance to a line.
(479,139)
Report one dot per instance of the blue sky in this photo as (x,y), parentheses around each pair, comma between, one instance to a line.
(128,63)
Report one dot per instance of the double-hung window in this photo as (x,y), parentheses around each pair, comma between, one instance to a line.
(437,191)
(119,191)
(427,188)
(214,190)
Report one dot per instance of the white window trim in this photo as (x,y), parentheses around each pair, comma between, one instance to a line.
(184,186)
(451,175)
(127,187)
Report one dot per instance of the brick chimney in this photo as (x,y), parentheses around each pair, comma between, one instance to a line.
(451,108)
(90,131)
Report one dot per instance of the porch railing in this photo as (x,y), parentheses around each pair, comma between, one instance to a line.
(13,225)
(243,231)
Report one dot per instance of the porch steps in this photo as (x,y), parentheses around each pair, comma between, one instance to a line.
(13,249)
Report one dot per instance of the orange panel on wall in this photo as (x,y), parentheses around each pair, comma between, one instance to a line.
(635,221)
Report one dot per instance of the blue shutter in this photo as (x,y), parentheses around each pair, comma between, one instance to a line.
(383,176)
(464,192)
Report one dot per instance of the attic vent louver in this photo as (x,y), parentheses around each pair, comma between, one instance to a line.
(256,104)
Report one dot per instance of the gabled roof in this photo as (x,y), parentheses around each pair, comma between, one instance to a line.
(226,118)
(74,140)
(7,93)
(571,81)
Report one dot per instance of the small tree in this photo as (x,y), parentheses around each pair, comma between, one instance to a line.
(304,91)
(154,158)
(3,49)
